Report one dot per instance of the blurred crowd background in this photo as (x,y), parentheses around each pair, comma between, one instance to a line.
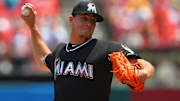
(151,27)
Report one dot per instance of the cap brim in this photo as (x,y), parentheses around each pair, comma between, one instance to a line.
(99,18)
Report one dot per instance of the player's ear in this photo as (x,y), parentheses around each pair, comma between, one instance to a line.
(71,20)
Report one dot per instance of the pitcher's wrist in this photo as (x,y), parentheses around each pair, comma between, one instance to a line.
(33,28)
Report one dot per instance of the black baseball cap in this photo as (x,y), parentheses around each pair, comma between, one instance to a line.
(85,7)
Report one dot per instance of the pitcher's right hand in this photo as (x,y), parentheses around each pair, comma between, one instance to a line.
(30,20)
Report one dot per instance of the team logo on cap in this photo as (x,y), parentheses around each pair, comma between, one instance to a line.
(91,7)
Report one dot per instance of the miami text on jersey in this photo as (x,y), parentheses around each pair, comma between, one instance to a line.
(85,70)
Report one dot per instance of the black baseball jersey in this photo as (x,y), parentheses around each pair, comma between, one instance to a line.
(82,72)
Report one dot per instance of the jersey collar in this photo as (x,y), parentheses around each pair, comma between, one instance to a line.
(75,48)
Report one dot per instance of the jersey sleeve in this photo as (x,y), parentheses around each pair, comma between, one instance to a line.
(129,53)
(116,47)
(49,61)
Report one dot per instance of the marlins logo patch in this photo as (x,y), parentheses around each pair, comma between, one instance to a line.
(127,49)
(91,7)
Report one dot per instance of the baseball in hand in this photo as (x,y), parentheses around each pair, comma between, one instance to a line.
(25,11)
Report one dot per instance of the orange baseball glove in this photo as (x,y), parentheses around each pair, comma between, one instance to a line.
(125,72)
